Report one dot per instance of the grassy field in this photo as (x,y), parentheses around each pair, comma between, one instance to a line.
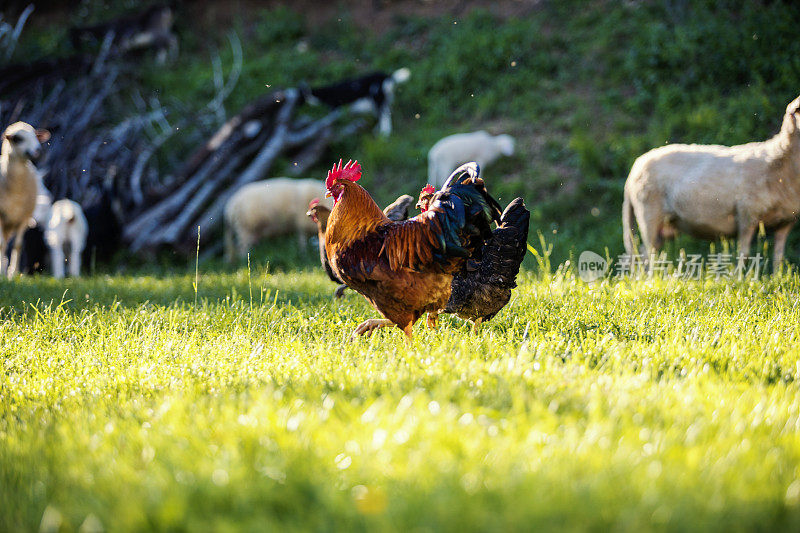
(133,403)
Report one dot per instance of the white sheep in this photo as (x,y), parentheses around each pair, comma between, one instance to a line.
(710,191)
(18,187)
(450,152)
(270,208)
(65,233)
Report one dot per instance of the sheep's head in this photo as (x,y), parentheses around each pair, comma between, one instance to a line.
(506,144)
(791,121)
(22,141)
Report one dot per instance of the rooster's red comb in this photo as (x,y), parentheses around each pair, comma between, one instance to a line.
(351,171)
(313,203)
(428,189)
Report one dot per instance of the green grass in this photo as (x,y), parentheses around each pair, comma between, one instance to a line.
(628,405)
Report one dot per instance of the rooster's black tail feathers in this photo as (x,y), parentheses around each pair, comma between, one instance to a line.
(504,252)
(465,211)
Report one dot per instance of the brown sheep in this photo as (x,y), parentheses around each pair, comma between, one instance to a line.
(18,188)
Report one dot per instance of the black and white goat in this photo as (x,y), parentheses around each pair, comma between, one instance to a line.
(371,93)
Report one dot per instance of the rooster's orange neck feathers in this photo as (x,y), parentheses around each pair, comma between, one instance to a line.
(354,215)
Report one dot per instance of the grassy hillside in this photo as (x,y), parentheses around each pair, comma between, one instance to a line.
(585,87)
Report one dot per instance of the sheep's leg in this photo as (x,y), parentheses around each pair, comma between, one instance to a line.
(780,245)
(385,120)
(57,258)
(650,232)
(245,243)
(13,260)
(745,238)
(651,235)
(74,262)
(230,244)
(3,260)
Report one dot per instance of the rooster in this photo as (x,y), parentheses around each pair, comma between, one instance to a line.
(318,213)
(483,286)
(425,197)
(405,269)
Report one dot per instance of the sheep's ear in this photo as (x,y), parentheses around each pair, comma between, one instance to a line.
(43,135)
(793,107)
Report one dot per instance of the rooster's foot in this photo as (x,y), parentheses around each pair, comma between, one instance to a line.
(366,327)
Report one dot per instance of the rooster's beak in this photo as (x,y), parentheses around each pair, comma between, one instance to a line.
(328,194)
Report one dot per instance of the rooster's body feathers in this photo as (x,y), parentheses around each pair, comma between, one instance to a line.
(397,211)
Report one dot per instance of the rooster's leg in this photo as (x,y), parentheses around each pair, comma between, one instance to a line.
(432,319)
(339,292)
(366,327)
(476,324)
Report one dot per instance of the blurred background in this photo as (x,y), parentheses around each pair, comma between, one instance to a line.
(156,110)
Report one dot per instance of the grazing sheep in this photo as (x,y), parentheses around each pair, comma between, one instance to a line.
(66,234)
(710,191)
(269,208)
(18,188)
(450,152)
